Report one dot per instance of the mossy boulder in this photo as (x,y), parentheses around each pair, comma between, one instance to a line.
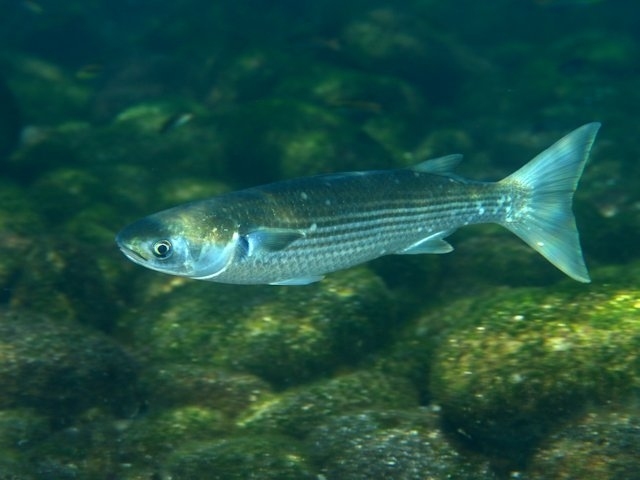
(296,411)
(21,427)
(517,362)
(272,139)
(68,279)
(61,369)
(241,458)
(603,444)
(149,438)
(282,334)
(179,385)
(408,444)
(19,221)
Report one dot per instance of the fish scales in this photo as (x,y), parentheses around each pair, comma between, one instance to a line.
(295,231)
(356,227)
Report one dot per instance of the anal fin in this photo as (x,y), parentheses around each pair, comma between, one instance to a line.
(434,243)
(299,280)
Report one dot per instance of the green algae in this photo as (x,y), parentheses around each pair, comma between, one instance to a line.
(297,410)
(177,385)
(61,368)
(291,138)
(408,444)
(150,438)
(252,457)
(520,360)
(602,444)
(284,335)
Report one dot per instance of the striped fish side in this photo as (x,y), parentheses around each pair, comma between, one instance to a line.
(377,226)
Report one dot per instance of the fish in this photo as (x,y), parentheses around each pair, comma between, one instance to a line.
(175,121)
(294,232)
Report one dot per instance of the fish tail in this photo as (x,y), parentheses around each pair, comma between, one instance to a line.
(547,223)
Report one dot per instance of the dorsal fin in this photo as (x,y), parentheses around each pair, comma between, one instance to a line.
(439,166)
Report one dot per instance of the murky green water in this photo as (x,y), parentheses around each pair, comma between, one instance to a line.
(484,363)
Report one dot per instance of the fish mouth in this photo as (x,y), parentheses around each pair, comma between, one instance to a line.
(128,252)
(132,254)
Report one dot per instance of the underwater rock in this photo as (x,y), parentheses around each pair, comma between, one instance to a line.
(13,468)
(296,411)
(65,278)
(602,444)
(273,139)
(390,41)
(60,368)
(284,335)
(405,445)
(103,153)
(20,429)
(515,363)
(253,457)
(49,94)
(20,224)
(146,439)
(175,385)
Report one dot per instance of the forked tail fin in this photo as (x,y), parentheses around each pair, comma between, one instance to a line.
(548,224)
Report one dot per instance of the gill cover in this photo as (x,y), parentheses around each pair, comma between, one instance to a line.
(214,259)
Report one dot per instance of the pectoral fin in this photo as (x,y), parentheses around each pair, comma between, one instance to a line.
(270,239)
(434,243)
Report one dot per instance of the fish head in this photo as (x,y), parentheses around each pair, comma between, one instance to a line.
(181,241)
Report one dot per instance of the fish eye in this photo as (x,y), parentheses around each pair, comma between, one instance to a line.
(162,249)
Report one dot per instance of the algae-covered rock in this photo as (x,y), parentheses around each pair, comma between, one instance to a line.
(241,458)
(273,139)
(406,445)
(296,411)
(48,93)
(175,385)
(281,334)
(19,220)
(603,444)
(15,468)
(517,362)
(61,192)
(124,162)
(20,428)
(63,277)
(388,40)
(148,438)
(61,368)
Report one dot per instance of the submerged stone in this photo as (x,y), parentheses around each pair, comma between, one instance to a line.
(241,458)
(176,385)
(602,444)
(296,411)
(65,278)
(281,334)
(291,138)
(403,445)
(61,369)
(149,438)
(515,363)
